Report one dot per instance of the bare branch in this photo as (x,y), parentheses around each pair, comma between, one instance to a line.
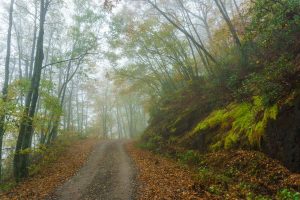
(67,60)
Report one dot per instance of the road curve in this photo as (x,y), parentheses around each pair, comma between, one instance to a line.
(107,175)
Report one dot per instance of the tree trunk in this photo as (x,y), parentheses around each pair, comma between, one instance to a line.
(232,30)
(82,115)
(70,111)
(33,41)
(6,81)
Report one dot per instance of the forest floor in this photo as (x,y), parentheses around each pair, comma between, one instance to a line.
(46,181)
(221,175)
(162,178)
(118,170)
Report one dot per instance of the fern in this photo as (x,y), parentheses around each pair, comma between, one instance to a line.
(236,120)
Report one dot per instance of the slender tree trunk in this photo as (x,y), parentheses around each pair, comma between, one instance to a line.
(70,107)
(232,30)
(26,69)
(82,115)
(33,40)
(6,81)
(12,71)
(124,126)
(208,31)
(119,123)
(43,130)
(86,116)
(19,44)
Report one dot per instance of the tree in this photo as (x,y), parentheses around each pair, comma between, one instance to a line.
(21,159)
(83,42)
(6,81)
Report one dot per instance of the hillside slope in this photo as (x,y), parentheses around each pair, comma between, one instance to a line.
(253,100)
(244,115)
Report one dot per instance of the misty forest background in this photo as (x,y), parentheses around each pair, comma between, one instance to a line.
(55,82)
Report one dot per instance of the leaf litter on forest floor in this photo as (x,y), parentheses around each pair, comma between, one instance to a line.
(220,175)
(162,178)
(49,178)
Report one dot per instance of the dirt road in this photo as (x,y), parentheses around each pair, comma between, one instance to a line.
(107,175)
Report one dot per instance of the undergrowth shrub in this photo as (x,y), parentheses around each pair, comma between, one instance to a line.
(189,157)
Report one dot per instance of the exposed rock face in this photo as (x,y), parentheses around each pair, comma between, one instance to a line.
(282,140)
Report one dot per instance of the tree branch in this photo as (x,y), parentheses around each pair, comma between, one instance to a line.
(67,60)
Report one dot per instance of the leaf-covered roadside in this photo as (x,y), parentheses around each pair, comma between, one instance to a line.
(50,176)
(161,178)
(222,175)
